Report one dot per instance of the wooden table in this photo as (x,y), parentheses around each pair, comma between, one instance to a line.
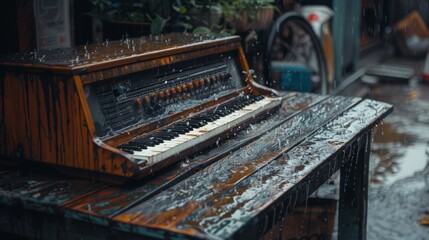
(240,189)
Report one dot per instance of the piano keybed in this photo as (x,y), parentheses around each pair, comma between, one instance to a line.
(185,134)
(133,114)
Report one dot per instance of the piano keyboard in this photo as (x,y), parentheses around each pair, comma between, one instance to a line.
(126,114)
(184,135)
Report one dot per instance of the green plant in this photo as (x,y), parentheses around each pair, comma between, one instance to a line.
(153,12)
(232,11)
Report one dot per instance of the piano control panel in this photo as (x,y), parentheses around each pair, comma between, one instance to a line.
(122,103)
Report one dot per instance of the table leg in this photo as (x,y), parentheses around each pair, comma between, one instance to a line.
(354,191)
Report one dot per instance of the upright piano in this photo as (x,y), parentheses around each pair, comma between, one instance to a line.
(124,109)
(183,105)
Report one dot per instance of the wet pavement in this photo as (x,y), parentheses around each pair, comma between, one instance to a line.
(399,180)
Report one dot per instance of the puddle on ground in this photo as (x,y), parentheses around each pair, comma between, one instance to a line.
(399,189)
(399,149)
(401,144)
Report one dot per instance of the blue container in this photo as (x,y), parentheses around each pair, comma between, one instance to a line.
(292,77)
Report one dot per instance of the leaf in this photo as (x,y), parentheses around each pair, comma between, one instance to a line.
(157,25)
(180,9)
(202,30)
(184,25)
(98,15)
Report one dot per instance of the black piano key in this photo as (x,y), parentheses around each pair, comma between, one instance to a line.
(154,138)
(233,109)
(234,106)
(205,118)
(219,113)
(163,136)
(190,124)
(139,144)
(129,147)
(250,100)
(146,142)
(215,115)
(127,150)
(150,143)
(184,126)
(200,123)
(203,121)
(172,134)
(178,130)
(247,102)
(212,115)
(222,112)
(170,131)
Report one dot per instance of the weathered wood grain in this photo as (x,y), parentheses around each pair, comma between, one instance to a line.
(108,203)
(45,120)
(238,190)
(260,195)
(44,193)
(191,194)
(97,57)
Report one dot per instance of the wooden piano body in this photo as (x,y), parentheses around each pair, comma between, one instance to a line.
(240,190)
(73,108)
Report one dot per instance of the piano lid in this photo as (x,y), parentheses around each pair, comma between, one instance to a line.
(113,53)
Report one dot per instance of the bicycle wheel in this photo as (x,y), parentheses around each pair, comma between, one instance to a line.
(294,57)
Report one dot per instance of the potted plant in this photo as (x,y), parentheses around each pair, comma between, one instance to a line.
(134,17)
(243,15)
(224,16)
(199,16)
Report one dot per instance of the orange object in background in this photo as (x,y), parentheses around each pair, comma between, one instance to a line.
(412,35)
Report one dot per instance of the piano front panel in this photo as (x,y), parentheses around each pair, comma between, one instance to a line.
(44,121)
(122,103)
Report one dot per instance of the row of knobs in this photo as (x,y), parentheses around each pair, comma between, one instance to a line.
(153,102)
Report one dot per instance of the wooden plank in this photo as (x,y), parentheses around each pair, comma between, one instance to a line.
(354,177)
(141,64)
(262,195)
(41,192)
(179,201)
(6,169)
(105,204)
(96,57)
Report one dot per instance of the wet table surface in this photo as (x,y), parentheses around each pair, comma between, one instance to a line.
(239,189)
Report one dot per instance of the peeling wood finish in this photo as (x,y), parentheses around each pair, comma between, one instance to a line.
(236,191)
